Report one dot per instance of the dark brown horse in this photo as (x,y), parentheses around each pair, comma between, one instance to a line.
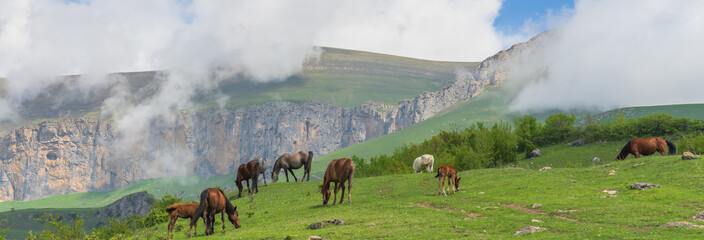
(646,146)
(288,162)
(247,171)
(339,171)
(449,172)
(213,201)
(182,210)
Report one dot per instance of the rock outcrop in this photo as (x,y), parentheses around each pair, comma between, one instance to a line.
(78,155)
(139,203)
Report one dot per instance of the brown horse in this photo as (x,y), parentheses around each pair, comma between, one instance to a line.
(449,172)
(182,210)
(213,201)
(250,170)
(646,146)
(338,171)
(288,162)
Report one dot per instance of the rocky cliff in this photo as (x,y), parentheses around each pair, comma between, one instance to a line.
(78,155)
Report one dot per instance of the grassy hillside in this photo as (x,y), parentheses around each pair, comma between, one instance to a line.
(492,203)
(691,111)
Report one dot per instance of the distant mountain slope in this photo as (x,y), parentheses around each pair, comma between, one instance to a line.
(691,111)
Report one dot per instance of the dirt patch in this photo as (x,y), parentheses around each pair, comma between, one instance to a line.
(447,209)
(535,211)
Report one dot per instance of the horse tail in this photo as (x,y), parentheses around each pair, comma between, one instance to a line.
(671,149)
(204,198)
(309,163)
(438,175)
(170,209)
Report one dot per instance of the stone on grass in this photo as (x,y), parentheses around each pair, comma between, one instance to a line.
(689,155)
(535,153)
(612,173)
(681,224)
(317,225)
(529,229)
(596,160)
(314,238)
(536,221)
(536,205)
(609,196)
(612,192)
(699,216)
(643,186)
(545,169)
(577,143)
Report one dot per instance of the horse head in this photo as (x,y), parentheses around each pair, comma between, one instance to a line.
(233,216)
(326,193)
(457,183)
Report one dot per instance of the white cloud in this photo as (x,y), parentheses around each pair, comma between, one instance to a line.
(616,54)
(439,30)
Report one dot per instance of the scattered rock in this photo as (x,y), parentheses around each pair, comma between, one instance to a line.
(337,222)
(596,160)
(314,238)
(566,211)
(612,192)
(535,153)
(600,142)
(609,196)
(545,169)
(637,164)
(643,186)
(481,193)
(577,143)
(689,155)
(699,216)
(536,221)
(529,229)
(612,173)
(536,205)
(317,225)
(681,224)
(608,165)
(572,180)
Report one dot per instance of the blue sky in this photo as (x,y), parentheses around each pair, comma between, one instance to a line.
(514,13)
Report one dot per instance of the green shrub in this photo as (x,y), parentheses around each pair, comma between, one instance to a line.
(54,228)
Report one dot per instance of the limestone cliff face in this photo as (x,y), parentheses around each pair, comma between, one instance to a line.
(78,155)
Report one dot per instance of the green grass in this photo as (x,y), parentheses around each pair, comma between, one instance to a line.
(492,203)
(21,222)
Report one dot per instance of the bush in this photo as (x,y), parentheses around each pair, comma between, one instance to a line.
(692,142)
(54,228)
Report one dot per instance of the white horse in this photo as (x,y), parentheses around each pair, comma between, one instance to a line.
(423,162)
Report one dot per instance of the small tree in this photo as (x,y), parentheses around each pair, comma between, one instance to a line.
(558,128)
(54,228)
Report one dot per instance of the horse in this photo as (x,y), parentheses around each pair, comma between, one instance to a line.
(424,162)
(449,172)
(214,201)
(293,161)
(646,146)
(264,165)
(338,171)
(250,170)
(181,210)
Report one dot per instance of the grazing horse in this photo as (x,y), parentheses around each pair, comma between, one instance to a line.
(646,146)
(182,210)
(424,162)
(250,170)
(338,171)
(288,162)
(449,172)
(213,201)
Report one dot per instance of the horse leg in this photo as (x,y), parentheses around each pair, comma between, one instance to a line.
(222,216)
(286,172)
(255,185)
(342,186)
(264,177)
(637,154)
(248,191)
(212,222)
(294,175)
(349,190)
(172,221)
(440,185)
(334,198)
(195,229)
(443,185)
(450,184)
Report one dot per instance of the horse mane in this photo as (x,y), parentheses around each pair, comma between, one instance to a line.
(671,149)
(624,150)
(170,209)
(228,205)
